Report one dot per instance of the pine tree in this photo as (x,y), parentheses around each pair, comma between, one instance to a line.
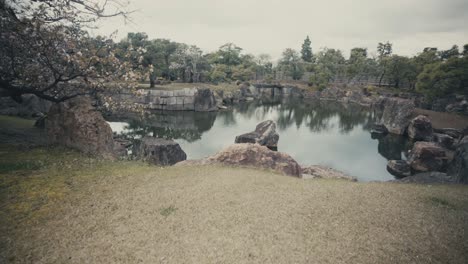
(306,51)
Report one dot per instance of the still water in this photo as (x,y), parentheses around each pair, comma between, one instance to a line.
(315,132)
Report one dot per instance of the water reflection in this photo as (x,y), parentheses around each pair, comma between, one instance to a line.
(312,132)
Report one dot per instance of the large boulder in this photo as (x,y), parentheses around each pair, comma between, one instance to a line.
(397,114)
(420,128)
(322,172)
(159,151)
(428,156)
(459,166)
(76,124)
(264,134)
(205,101)
(399,168)
(252,155)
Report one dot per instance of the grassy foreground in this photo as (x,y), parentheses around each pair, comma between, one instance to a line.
(58,206)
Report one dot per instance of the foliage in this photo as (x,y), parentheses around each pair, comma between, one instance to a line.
(306,51)
(445,77)
(45,51)
(291,64)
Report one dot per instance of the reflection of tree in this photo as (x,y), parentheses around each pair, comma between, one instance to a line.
(392,146)
(171,125)
(316,115)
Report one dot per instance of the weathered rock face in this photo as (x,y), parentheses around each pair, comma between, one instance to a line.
(428,178)
(399,168)
(444,140)
(205,101)
(428,156)
(264,134)
(321,172)
(397,114)
(420,128)
(453,132)
(459,166)
(76,124)
(159,151)
(379,129)
(252,155)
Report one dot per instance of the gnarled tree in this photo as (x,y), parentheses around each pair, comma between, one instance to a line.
(46,51)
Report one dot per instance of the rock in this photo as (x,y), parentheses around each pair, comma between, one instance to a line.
(444,140)
(205,101)
(121,146)
(428,156)
(40,122)
(397,114)
(264,134)
(321,172)
(379,129)
(459,166)
(252,155)
(420,128)
(453,132)
(399,168)
(428,178)
(159,151)
(76,124)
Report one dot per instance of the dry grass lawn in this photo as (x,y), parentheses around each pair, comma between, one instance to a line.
(69,208)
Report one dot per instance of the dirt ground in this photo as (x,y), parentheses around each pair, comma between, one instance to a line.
(445,120)
(126,212)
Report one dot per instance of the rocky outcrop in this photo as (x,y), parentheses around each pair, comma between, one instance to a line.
(459,166)
(428,178)
(379,129)
(399,168)
(252,155)
(321,172)
(428,156)
(264,134)
(444,140)
(30,106)
(76,124)
(420,128)
(397,114)
(159,151)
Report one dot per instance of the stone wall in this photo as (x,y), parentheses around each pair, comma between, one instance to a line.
(188,99)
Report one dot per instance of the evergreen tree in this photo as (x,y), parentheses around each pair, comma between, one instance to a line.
(306,52)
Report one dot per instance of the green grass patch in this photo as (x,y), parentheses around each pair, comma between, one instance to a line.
(15,122)
(168,211)
(437,201)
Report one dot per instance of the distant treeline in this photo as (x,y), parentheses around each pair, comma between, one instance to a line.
(432,71)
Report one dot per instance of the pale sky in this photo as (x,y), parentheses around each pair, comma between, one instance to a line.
(270,26)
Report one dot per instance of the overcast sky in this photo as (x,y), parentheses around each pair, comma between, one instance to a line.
(270,26)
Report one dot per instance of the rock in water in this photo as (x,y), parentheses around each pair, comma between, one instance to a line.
(399,168)
(205,101)
(76,124)
(159,151)
(252,155)
(397,114)
(379,129)
(459,166)
(264,134)
(428,156)
(420,128)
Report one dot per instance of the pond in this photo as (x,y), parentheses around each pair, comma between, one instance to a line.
(312,132)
